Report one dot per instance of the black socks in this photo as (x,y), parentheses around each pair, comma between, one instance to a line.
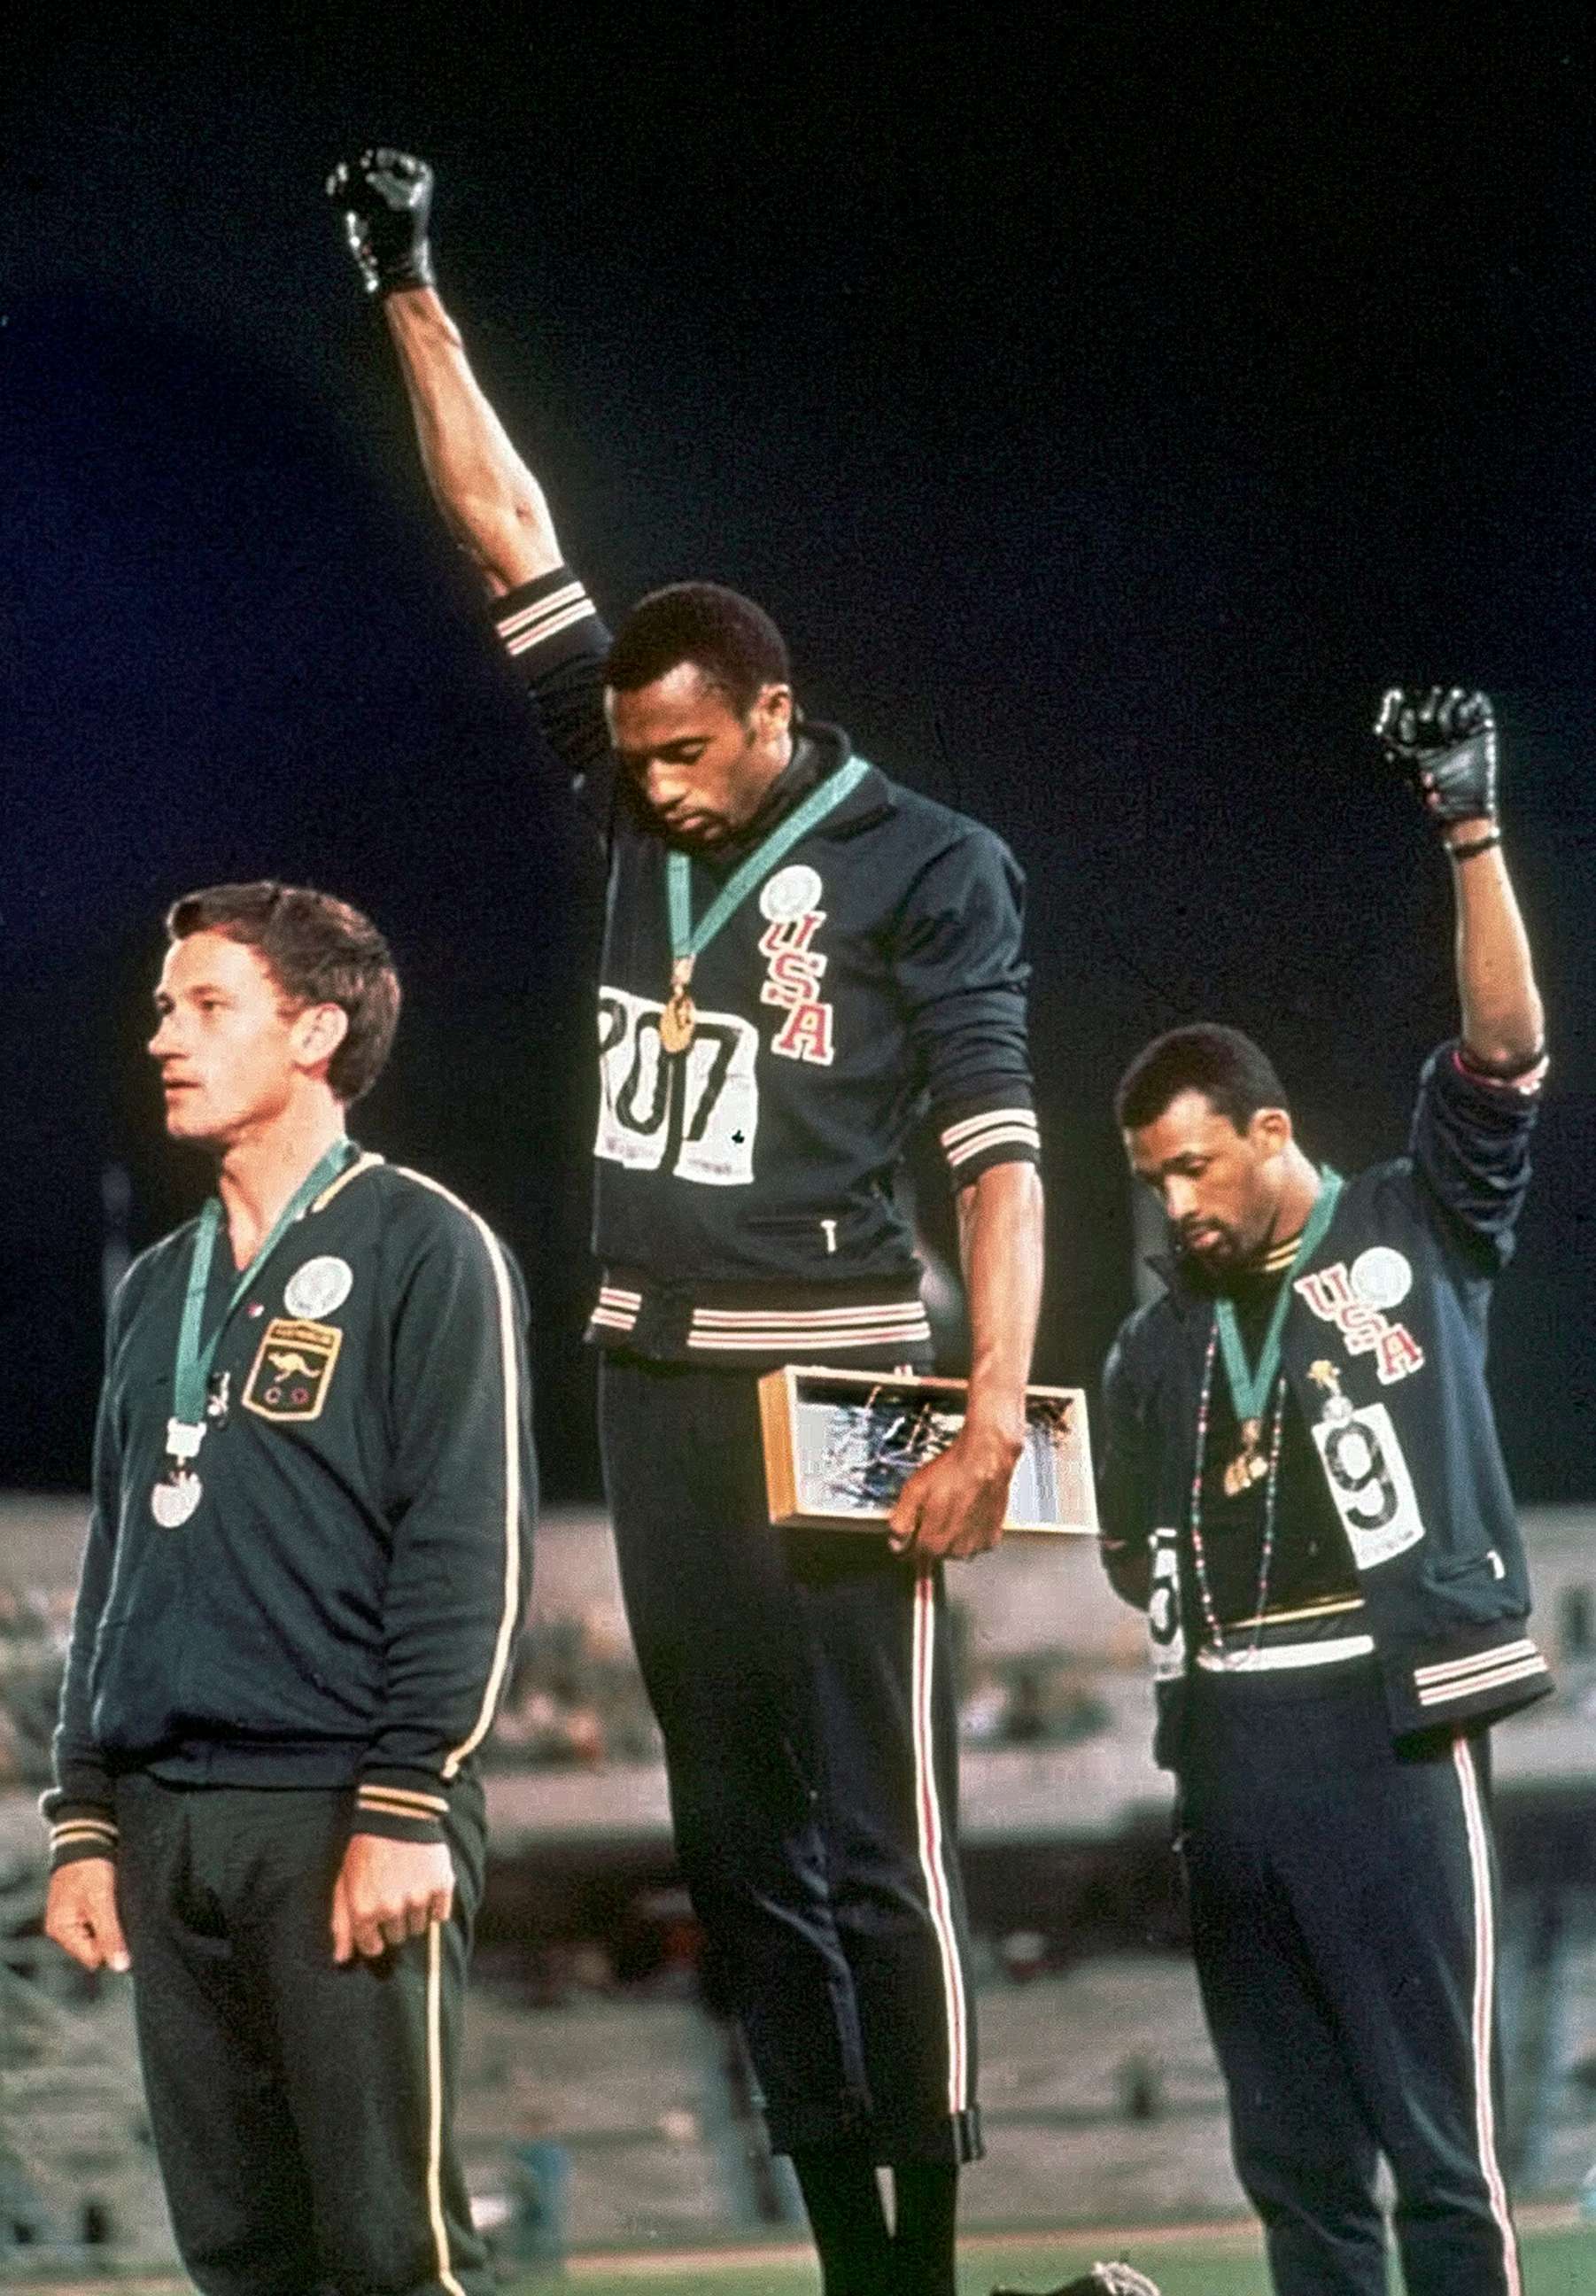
(926,2213)
(846,2216)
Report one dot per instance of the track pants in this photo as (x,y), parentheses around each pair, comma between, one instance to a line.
(301,2110)
(1344,1920)
(803,1687)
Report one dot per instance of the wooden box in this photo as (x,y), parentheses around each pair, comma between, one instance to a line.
(841,1445)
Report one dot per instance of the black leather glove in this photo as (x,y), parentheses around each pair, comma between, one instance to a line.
(1444,740)
(385,199)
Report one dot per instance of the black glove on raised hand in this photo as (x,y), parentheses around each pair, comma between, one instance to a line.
(1445,740)
(385,199)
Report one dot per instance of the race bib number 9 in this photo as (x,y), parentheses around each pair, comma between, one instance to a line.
(1370,1483)
(694,1116)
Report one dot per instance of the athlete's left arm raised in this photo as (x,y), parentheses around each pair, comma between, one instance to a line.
(957,966)
(462,1489)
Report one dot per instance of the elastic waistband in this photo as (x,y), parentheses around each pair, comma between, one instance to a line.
(1350,1681)
(752,1324)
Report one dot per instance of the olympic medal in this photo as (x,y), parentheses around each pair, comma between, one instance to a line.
(175,1498)
(676,1024)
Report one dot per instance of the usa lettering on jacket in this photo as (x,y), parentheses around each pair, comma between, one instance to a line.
(1336,1297)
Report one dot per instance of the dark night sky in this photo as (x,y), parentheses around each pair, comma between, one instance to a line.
(1107,418)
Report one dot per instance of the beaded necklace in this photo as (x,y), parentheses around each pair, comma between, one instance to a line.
(1205,1593)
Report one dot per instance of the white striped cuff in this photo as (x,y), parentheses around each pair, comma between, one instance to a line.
(74,1833)
(525,628)
(1473,1686)
(617,1310)
(402,1801)
(1450,1670)
(993,1127)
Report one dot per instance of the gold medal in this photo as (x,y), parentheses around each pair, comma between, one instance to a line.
(678,1020)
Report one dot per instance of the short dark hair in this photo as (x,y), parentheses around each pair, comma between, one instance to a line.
(319,951)
(732,641)
(1227,1067)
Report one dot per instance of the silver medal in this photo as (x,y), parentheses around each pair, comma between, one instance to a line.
(175,1498)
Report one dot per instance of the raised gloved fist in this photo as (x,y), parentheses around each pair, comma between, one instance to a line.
(1445,740)
(385,199)
(1115,2279)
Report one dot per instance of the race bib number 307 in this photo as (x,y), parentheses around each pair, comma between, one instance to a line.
(695,1115)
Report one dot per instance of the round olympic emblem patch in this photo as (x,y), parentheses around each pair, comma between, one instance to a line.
(319,1287)
(1382,1278)
(791,892)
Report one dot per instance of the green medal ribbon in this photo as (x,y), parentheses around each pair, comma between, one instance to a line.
(185,1428)
(688,940)
(1250,1387)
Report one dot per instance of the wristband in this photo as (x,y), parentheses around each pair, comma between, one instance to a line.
(1475,845)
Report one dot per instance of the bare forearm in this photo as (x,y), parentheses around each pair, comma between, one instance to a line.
(954,1507)
(492,503)
(1503,1023)
(1001,1247)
